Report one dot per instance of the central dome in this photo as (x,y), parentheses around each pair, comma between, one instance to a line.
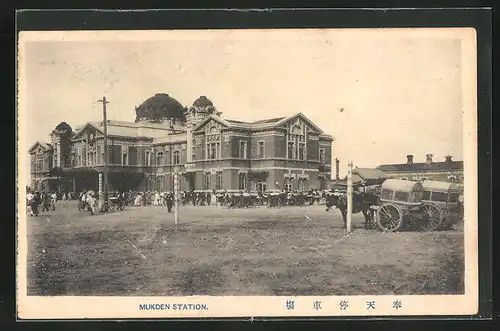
(203,101)
(160,107)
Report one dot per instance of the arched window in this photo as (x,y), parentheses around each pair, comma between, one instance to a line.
(296,142)
(160,157)
(177,157)
(213,144)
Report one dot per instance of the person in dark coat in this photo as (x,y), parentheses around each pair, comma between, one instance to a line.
(170,201)
(35,203)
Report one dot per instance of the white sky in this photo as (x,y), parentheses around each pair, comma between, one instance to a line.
(401,92)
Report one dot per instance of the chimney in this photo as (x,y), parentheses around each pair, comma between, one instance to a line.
(337,169)
(448,159)
(428,159)
(409,159)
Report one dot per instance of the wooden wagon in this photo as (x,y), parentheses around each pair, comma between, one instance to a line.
(445,196)
(401,205)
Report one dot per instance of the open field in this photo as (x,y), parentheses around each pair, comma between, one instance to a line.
(219,251)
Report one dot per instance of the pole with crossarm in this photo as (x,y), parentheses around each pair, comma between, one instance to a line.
(349,197)
(105,131)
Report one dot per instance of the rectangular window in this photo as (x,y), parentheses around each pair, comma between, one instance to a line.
(243,149)
(291,150)
(218,181)
(302,184)
(147,158)
(439,196)
(242,181)
(401,196)
(124,155)
(177,157)
(193,153)
(322,157)
(159,158)
(212,151)
(260,150)
(206,181)
(386,194)
(302,151)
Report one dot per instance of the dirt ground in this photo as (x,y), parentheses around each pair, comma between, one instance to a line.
(220,251)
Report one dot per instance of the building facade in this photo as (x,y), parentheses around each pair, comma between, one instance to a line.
(208,151)
(445,171)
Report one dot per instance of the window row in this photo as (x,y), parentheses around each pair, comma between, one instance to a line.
(296,150)
(160,158)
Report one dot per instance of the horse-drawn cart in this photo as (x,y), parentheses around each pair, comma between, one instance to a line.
(445,196)
(401,204)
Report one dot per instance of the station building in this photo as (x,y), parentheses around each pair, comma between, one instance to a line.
(447,170)
(208,151)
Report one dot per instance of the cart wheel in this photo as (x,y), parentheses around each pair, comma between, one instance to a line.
(432,217)
(389,218)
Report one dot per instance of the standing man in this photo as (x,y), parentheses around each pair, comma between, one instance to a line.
(35,203)
(29,202)
(53,199)
(170,201)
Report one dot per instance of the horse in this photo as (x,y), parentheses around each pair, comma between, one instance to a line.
(361,202)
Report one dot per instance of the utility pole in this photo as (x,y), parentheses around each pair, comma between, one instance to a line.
(105,126)
(349,198)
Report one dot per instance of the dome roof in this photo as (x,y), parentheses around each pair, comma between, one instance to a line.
(159,107)
(203,101)
(63,128)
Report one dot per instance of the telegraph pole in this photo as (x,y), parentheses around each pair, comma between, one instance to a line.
(105,126)
(349,197)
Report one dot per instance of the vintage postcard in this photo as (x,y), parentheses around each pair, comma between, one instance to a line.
(247,173)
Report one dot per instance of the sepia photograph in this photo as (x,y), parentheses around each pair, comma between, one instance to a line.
(229,173)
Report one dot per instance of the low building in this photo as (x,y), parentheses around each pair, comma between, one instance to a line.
(208,151)
(445,171)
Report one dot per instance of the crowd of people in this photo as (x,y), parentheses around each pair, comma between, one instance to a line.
(88,199)
(37,202)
